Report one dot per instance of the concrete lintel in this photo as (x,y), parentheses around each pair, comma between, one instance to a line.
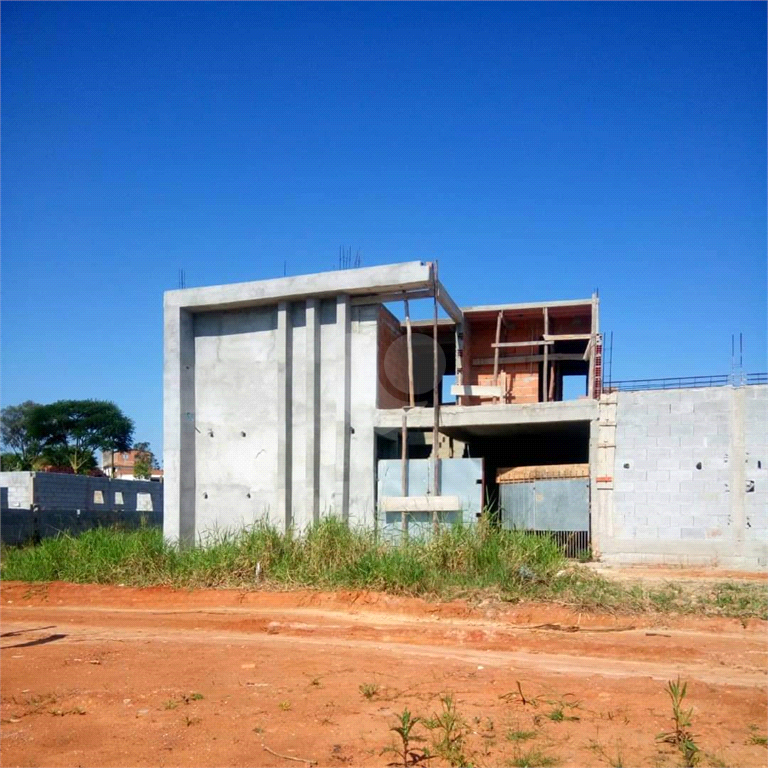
(420,503)
(389,278)
(497,415)
(527,305)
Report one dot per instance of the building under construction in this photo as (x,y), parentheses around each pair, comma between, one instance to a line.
(300,397)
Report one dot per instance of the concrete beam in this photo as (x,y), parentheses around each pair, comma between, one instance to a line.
(448,304)
(491,415)
(390,278)
(420,503)
(527,305)
(383,298)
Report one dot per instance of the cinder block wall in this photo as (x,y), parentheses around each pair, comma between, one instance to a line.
(59,491)
(44,503)
(690,478)
(18,487)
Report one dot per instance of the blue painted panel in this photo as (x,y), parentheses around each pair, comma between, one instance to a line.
(458,477)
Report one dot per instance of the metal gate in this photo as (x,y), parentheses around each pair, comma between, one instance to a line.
(551,499)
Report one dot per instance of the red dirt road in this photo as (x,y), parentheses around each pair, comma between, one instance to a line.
(111,676)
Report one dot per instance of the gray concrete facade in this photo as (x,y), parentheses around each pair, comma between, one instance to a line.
(270,399)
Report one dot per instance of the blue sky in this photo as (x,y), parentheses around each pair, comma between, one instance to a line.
(538,151)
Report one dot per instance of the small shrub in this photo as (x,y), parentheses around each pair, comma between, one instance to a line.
(450,730)
(369,690)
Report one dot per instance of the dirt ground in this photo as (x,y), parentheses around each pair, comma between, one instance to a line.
(116,676)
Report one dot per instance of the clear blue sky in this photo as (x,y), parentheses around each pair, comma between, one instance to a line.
(539,151)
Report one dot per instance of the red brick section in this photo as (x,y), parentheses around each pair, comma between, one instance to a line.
(521,380)
(598,384)
(392,377)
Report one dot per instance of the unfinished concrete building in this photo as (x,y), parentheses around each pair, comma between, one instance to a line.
(300,397)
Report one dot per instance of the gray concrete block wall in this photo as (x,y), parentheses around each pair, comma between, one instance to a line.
(39,504)
(18,487)
(690,481)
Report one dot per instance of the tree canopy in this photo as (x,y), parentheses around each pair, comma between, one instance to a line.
(16,437)
(80,427)
(144,461)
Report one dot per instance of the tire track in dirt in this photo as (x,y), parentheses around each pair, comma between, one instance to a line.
(142,625)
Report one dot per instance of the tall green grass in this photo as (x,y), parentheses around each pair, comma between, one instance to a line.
(456,561)
(329,555)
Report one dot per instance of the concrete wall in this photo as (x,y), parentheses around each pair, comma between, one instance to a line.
(271,422)
(270,397)
(688,480)
(39,504)
(18,489)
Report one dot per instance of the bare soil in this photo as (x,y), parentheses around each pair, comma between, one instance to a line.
(116,676)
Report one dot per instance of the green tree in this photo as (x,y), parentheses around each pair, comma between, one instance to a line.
(81,427)
(144,462)
(10,462)
(16,436)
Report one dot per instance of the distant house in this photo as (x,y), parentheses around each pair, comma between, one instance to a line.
(120,465)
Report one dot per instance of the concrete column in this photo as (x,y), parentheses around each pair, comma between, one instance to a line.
(312,363)
(284,354)
(179,426)
(602,457)
(343,425)
(737,461)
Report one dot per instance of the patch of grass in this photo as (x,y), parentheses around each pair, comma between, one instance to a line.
(284,705)
(171,704)
(557,713)
(760,741)
(458,560)
(616,761)
(369,690)
(518,735)
(533,758)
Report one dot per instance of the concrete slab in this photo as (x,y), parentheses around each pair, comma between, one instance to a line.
(489,420)
(409,275)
